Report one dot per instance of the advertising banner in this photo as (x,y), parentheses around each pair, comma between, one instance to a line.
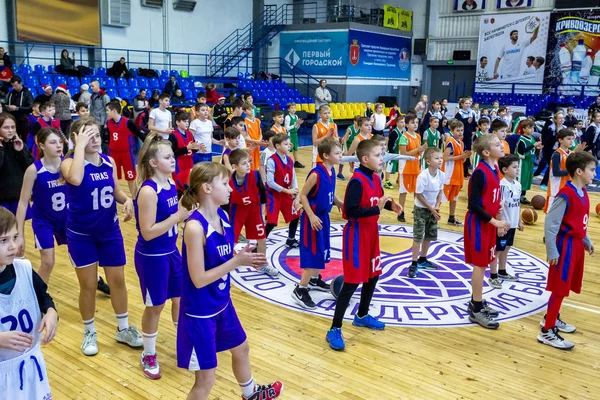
(469,5)
(319,53)
(508,4)
(378,56)
(573,58)
(512,48)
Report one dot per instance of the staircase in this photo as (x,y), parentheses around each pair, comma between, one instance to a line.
(240,44)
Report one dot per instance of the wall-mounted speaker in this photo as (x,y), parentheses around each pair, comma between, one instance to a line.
(461,55)
(420,47)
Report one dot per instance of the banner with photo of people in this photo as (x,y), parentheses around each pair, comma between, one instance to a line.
(469,5)
(508,4)
(573,46)
(512,48)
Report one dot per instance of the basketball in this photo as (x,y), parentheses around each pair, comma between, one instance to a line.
(598,209)
(529,216)
(538,202)
(336,285)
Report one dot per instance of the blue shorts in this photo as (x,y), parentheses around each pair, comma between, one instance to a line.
(202,157)
(314,245)
(105,248)
(45,232)
(12,207)
(200,339)
(160,276)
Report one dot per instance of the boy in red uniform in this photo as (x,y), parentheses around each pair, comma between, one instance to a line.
(122,132)
(246,204)
(481,225)
(567,241)
(46,120)
(184,147)
(363,203)
(282,189)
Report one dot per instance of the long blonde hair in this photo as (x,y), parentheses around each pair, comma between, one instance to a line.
(149,151)
(204,172)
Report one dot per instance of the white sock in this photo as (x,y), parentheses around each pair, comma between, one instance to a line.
(89,325)
(150,342)
(175,323)
(248,387)
(123,321)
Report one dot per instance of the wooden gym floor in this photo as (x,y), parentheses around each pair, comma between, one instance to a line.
(397,363)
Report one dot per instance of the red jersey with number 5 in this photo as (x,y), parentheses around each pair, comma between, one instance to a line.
(121,138)
(248,192)
(575,220)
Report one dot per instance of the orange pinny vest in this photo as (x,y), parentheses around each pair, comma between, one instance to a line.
(412,167)
(322,131)
(454,169)
(280,130)
(253,129)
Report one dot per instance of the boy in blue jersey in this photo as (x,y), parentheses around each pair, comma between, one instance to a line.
(317,198)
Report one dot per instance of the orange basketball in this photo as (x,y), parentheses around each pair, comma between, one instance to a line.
(538,202)
(529,216)
(598,209)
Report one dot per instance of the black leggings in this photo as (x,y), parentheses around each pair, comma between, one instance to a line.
(545,161)
(291,230)
(346,293)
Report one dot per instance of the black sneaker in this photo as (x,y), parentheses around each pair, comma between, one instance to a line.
(317,283)
(482,318)
(103,287)
(401,217)
(524,200)
(292,243)
(302,297)
(298,164)
(413,271)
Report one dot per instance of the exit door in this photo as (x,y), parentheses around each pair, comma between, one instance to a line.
(449,82)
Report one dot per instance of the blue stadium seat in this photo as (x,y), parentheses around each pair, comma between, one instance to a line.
(124,93)
(25,69)
(33,91)
(142,82)
(111,92)
(174,72)
(39,69)
(50,69)
(100,80)
(188,94)
(59,80)
(101,71)
(122,82)
(185,83)
(31,81)
(133,83)
(163,82)
(153,83)
(72,81)
(45,80)
(164,74)
(109,82)
(85,80)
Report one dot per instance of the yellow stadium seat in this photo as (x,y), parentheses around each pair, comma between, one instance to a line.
(311,108)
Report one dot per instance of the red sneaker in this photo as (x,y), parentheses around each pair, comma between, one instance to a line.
(266,392)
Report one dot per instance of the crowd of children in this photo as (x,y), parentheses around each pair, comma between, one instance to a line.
(71,199)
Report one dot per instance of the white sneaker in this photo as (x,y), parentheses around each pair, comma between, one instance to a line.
(552,338)
(150,367)
(561,325)
(89,347)
(269,270)
(130,336)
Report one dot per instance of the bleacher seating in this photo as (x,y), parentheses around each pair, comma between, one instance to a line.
(276,93)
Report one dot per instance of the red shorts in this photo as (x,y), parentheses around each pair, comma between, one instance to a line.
(567,275)
(124,160)
(277,202)
(480,241)
(360,252)
(182,178)
(249,217)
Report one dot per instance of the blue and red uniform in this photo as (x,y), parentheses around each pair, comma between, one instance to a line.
(49,208)
(120,147)
(183,162)
(31,121)
(93,232)
(484,204)
(244,206)
(567,275)
(315,245)
(157,261)
(227,153)
(39,124)
(208,323)
(279,201)
(360,244)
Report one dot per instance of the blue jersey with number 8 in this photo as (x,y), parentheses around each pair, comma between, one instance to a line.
(92,209)
(49,197)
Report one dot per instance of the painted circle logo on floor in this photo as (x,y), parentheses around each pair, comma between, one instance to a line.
(436,298)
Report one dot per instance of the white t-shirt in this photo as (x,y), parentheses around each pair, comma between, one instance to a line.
(378,122)
(511,55)
(265,155)
(429,186)
(482,75)
(162,120)
(203,133)
(511,199)
(529,70)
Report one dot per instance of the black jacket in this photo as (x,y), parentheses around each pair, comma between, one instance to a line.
(171,87)
(23,100)
(12,169)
